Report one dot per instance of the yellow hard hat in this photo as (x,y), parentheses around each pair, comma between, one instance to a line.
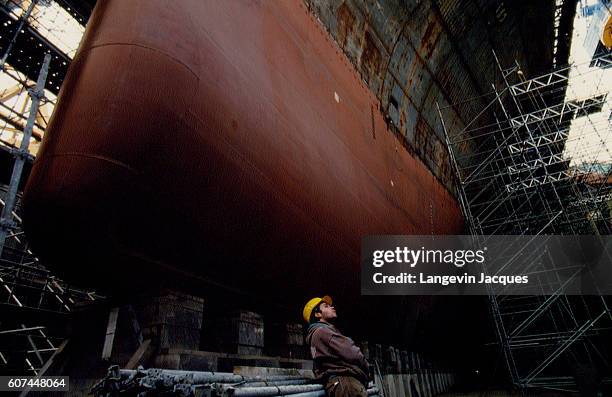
(606,35)
(311,304)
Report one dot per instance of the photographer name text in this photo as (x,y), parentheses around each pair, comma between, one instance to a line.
(421,278)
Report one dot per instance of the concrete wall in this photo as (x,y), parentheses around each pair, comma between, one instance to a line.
(402,373)
(415,385)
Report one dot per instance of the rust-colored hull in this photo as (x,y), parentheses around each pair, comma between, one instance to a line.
(229,140)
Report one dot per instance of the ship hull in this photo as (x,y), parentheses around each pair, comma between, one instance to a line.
(227,141)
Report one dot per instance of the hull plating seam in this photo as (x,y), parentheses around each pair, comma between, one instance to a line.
(89,156)
(89,49)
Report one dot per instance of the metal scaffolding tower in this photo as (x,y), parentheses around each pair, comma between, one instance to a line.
(538,161)
(30,295)
(27,289)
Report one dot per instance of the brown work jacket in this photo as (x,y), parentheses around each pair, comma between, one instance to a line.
(335,354)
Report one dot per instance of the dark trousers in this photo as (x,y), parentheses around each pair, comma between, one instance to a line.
(345,386)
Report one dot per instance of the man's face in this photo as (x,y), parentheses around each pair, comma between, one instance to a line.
(328,312)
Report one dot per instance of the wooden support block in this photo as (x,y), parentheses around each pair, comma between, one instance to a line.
(138,355)
(110,333)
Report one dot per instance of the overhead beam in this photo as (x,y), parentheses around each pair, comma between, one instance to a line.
(20,330)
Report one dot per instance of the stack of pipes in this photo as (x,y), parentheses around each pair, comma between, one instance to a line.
(166,382)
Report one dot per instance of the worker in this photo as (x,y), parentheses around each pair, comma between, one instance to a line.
(338,362)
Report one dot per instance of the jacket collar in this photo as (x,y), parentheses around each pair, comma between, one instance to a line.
(316,325)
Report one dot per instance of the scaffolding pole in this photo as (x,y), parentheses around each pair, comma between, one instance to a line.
(6,218)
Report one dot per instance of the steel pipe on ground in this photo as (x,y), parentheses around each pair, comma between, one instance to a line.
(272,391)
(293,391)
(230,374)
(201,377)
(316,393)
(265,383)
